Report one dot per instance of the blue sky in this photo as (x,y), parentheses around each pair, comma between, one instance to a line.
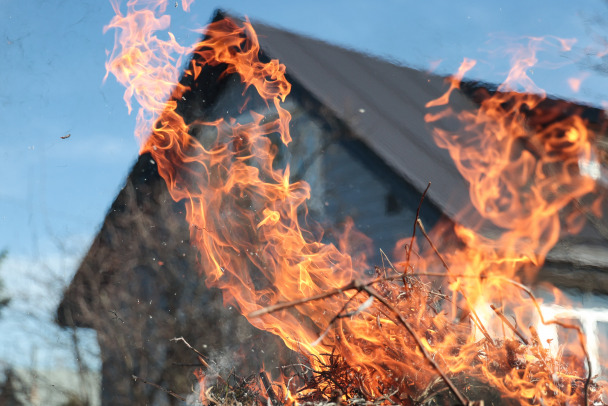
(55,192)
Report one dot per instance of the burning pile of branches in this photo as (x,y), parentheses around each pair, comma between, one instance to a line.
(524,362)
(498,370)
(522,370)
(409,322)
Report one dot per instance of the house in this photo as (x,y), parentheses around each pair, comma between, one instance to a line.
(359,136)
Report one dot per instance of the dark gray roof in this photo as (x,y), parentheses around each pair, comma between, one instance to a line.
(382,103)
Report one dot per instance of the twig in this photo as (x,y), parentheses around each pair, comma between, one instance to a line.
(389,396)
(384,256)
(511,326)
(383,267)
(409,250)
(475,317)
(416,221)
(404,276)
(339,315)
(428,239)
(181,364)
(354,284)
(201,357)
(432,395)
(167,391)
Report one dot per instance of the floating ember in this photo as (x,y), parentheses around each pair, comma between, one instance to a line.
(448,323)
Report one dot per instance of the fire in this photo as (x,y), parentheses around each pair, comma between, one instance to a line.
(146,65)
(521,170)
(249,222)
(243,212)
(523,173)
(576,82)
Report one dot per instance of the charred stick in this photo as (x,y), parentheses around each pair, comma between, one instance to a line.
(201,357)
(370,291)
(510,325)
(475,317)
(409,250)
(181,364)
(268,387)
(445,265)
(167,391)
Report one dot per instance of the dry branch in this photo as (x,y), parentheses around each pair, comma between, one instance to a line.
(510,325)
(167,391)
(201,357)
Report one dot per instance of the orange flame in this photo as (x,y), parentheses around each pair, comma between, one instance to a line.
(246,216)
(576,82)
(523,171)
(236,168)
(146,65)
